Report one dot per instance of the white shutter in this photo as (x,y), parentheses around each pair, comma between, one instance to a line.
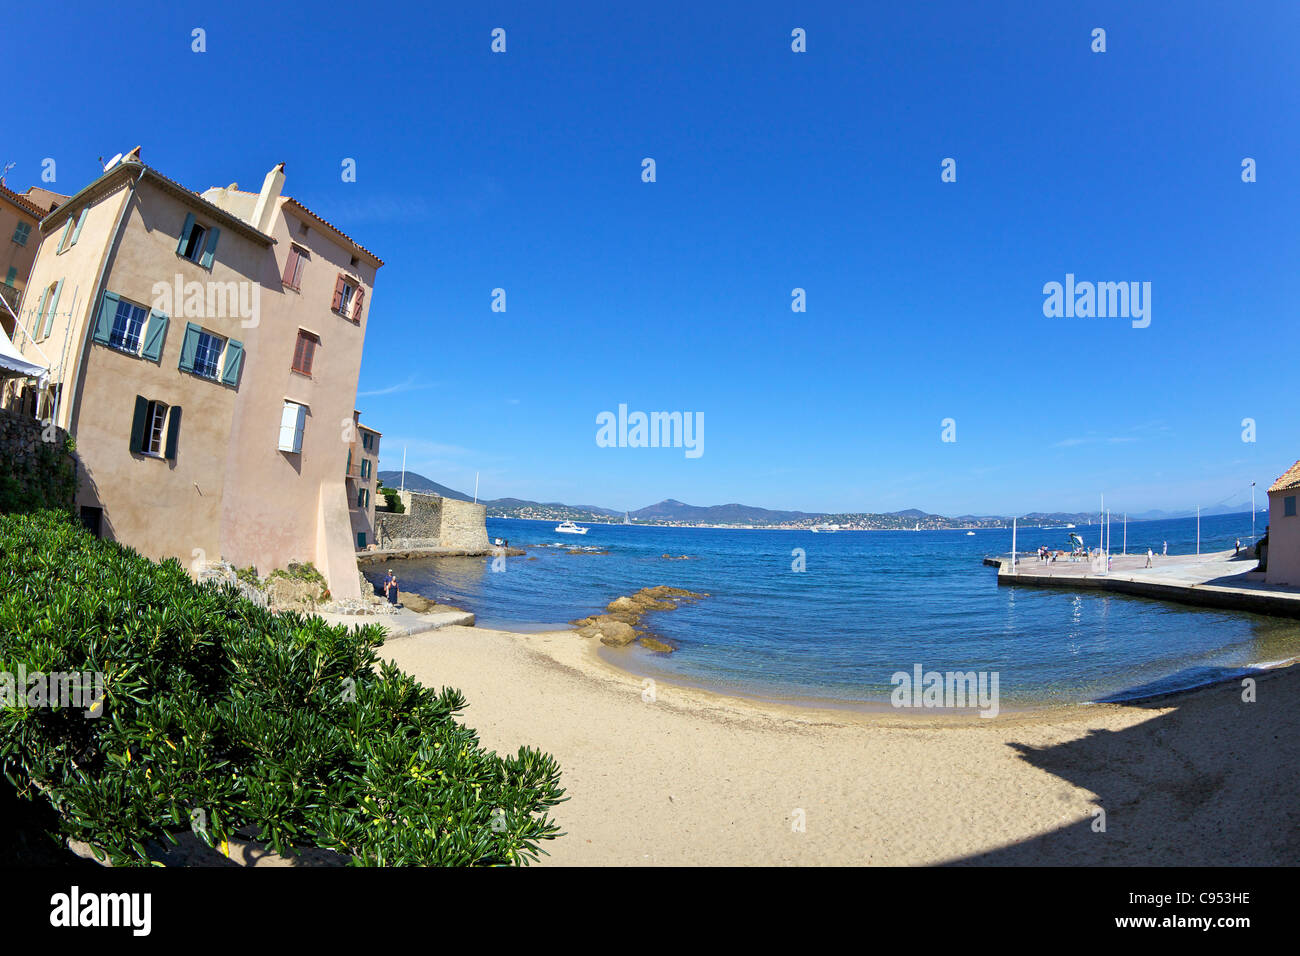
(292,422)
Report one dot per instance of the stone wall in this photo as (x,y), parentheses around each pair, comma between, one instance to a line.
(34,473)
(431,521)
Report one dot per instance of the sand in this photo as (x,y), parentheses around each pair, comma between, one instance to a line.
(692,777)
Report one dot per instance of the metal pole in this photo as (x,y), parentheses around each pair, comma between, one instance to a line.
(1013,545)
(403,488)
(1198,529)
(1126,532)
(1252,514)
(476,487)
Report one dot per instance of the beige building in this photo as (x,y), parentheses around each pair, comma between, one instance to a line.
(1284,530)
(363,482)
(204,353)
(19,238)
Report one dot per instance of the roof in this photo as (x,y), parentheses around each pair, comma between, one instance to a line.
(22,202)
(129,168)
(290,201)
(1290,479)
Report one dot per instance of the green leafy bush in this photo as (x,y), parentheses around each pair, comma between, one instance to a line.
(47,482)
(279,723)
(394,502)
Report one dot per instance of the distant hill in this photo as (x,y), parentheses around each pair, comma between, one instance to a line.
(419,483)
(672,510)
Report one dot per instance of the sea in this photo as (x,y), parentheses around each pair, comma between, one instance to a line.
(867,606)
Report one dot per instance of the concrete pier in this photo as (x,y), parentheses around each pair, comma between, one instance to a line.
(1217,580)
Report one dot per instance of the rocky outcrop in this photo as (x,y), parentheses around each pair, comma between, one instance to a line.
(620,625)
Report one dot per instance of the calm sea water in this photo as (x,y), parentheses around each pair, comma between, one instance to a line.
(868,605)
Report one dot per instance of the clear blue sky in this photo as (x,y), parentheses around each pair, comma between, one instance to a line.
(775,170)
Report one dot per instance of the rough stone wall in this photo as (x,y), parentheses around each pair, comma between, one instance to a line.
(34,473)
(431,521)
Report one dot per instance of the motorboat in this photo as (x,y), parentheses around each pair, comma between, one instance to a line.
(568,527)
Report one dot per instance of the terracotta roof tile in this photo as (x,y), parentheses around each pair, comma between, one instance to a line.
(22,202)
(1290,479)
(289,200)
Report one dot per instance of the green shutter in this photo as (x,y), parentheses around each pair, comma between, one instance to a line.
(210,249)
(54,304)
(234,362)
(185,233)
(76,233)
(139,423)
(63,239)
(40,309)
(154,336)
(190,347)
(173,431)
(107,311)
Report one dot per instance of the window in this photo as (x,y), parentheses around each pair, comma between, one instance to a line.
(365,468)
(348,296)
(348,292)
(46,310)
(305,352)
(72,231)
(11,276)
(292,422)
(192,245)
(367,441)
(361,541)
(207,359)
(293,268)
(363,497)
(155,428)
(21,233)
(127,325)
(1288,506)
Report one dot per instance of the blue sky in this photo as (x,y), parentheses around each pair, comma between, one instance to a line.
(775,170)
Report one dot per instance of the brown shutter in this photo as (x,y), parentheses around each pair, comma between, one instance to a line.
(291,269)
(338,294)
(356,309)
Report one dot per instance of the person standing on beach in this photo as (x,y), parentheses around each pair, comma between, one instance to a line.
(1165,552)
(390,587)
(1149,557)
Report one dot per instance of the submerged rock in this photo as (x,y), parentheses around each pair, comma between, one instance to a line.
(655,644)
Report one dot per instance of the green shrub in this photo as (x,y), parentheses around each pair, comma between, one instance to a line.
(279,723)
(391,497)
(249,576)
(49,482)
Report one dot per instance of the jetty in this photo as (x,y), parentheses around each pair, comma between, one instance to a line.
(1220,579)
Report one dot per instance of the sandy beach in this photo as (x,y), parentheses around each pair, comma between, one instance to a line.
(691,777)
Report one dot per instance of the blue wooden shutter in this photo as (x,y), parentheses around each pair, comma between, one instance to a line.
(139,423)
(185,234)
(173,431)
(234,362)
(155,336)
(190,347)
(49,316)
(210,250)
(104,324)
(63,239)
(80,222)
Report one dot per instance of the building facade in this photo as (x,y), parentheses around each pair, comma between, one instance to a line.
(363,483)
(19,239)
(1284,530)
(204,353)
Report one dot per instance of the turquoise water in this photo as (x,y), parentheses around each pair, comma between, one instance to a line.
(869,604)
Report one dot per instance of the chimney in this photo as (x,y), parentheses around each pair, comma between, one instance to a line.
(264,211)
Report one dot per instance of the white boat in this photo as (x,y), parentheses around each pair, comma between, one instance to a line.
(824,528)
(568,527)
(970,534)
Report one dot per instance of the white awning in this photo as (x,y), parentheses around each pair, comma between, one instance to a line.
(12,363)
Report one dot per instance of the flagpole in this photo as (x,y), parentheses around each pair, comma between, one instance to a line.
(403,468)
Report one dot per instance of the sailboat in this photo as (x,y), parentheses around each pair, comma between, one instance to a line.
(626,519)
